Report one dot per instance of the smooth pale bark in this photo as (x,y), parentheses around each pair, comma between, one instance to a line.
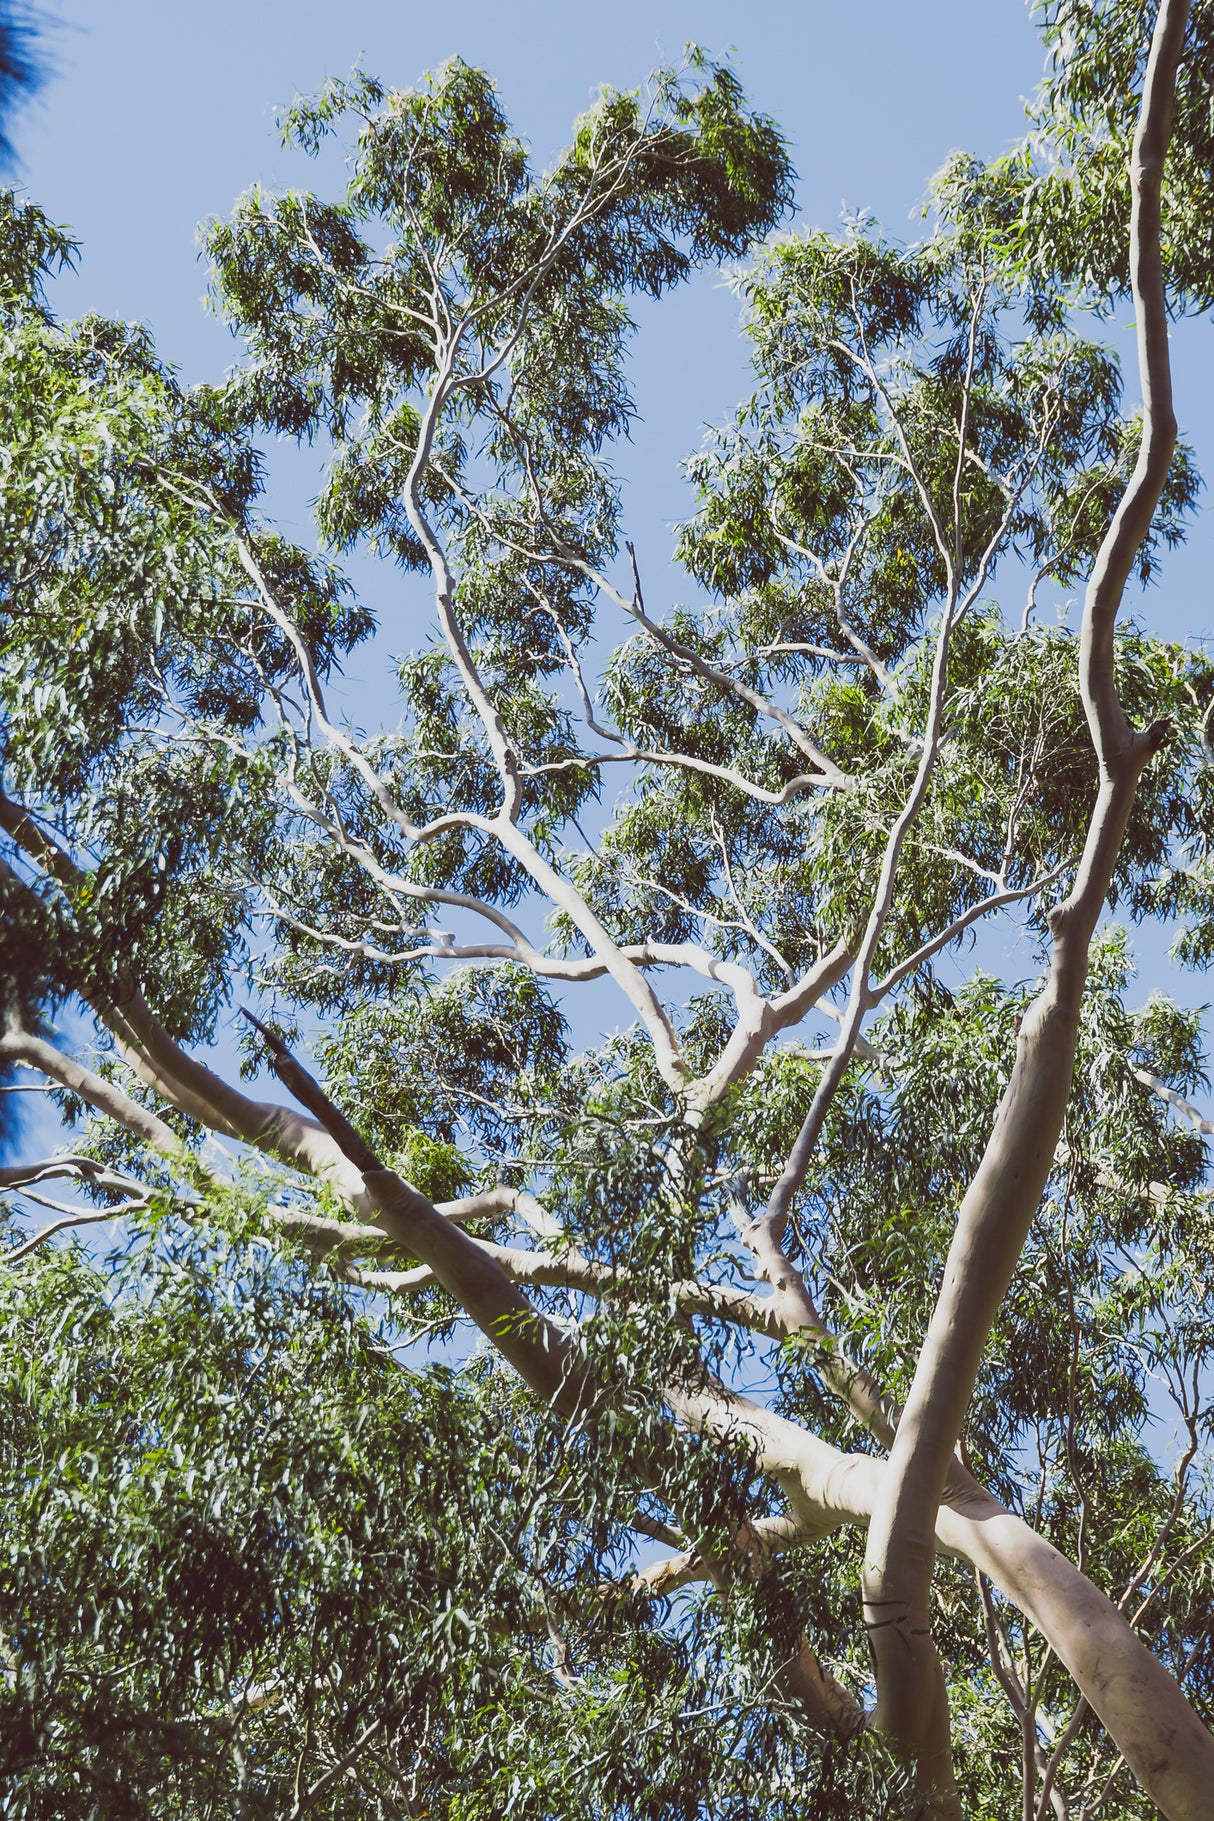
(1137,1700)
(20,1046)
(535,1347)
(1140,1704)
(504,825)
(1142,1707)
(999,1206)
(170,1071)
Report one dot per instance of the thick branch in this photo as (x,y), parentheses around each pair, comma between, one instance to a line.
(536,1348)
(1184,1107)
(1139,1703)
(1124,1683)
(1111,732)
(104,1096)
(999,1206)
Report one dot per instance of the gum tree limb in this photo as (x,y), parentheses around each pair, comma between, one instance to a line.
(999,1206)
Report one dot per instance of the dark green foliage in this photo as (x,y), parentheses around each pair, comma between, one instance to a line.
(238,1534)
(122,611)
(1076,205)
(21,65)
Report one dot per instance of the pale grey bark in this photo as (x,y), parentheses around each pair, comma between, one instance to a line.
(1126,1686)
(995,1214)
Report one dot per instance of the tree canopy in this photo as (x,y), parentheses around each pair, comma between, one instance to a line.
(695,1333)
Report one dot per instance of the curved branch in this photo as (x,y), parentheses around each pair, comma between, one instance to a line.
(1184,1107)
(104,1096)
(724,774)
(1138,1702)
(72,1217)
(997,900)
(765,1019)
(1111,732)
(999,1205)
(76,1169)
(1127,1687)
(535,1347)
(160,1062)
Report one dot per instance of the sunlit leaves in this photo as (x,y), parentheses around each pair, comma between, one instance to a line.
(1077,197)
(432,1553)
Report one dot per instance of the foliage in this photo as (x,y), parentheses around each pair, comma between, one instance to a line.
(21,66)
(282,1535)
(204,1446)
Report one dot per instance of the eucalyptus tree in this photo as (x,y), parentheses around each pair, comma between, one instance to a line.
(871,1333)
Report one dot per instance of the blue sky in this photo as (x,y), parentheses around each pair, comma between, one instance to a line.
(159,113)
(162,113)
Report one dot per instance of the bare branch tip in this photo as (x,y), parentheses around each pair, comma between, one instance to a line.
(272,1037)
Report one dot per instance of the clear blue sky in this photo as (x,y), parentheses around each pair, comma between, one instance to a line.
(162,110)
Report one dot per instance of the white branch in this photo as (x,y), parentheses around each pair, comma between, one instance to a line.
(1183,1106)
